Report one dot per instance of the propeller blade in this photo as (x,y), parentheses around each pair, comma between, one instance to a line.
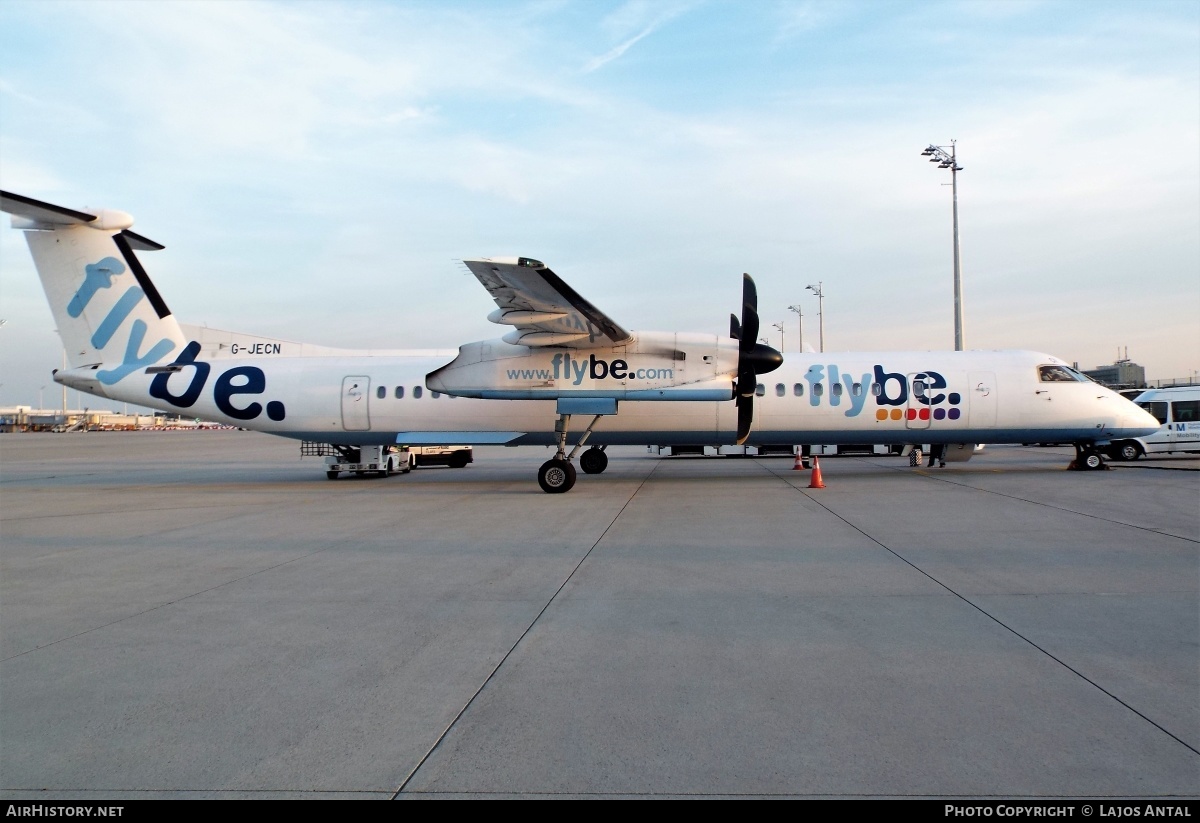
(749,292)
(749,338)
(754,358)
(745,409)
(750,324)
(747,382)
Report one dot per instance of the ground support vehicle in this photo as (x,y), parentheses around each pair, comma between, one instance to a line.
(453,456)
(381,461)
(1178,411)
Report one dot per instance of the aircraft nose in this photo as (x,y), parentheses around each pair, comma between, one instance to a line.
(1138,418)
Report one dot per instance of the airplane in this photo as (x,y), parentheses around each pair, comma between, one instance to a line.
(562,358)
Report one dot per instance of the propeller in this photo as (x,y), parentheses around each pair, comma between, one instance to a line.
(754,358)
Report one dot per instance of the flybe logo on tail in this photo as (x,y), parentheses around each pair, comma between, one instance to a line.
(99,276)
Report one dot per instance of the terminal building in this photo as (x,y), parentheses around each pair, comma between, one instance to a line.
(1123,374)
(29,419)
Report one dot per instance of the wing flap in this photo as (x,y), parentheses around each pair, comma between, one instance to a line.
(543,308)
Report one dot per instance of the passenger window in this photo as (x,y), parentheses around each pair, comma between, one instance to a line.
(798,389)
(1157,408)
(856,389)
(837,389)
(760,390)
(381,392)
(919,387)
(877,389)
(818,389)
(435,395)
(417,392)
(1054,374)
(1185,411)
(780,390)
(399,392)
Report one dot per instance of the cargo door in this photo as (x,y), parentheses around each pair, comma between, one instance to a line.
(356,392)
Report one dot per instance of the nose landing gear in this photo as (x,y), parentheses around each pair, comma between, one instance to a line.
(1087,458)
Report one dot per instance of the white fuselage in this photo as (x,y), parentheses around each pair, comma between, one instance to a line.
(351,397)
(647,388)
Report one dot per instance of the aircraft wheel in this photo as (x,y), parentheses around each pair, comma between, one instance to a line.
(331,475)
(593,461)
(1093,460)
(556,476)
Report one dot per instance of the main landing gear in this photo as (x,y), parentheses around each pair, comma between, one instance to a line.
(594,460)
(1087,458)
(558,475)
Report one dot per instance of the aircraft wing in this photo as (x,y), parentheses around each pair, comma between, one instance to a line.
(543,310)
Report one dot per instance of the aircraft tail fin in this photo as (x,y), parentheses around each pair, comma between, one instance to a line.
(110,316)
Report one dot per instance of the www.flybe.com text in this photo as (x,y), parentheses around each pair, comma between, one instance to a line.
(563,366)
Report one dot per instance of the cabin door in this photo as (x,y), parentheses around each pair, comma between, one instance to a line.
(356,393)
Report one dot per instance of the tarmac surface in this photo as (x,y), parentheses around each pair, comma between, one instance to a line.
(203,614)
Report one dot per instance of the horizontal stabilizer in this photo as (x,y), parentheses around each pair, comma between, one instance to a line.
(42,212)
(35,214)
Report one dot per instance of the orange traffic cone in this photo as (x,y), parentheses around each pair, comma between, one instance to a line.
(817,482)
(799,464)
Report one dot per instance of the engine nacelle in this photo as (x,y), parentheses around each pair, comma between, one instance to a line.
(651,366)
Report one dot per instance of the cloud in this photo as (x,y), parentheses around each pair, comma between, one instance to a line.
(618,50)
(643,17)
(799,18)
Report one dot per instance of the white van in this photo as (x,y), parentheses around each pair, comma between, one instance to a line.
(1178,410)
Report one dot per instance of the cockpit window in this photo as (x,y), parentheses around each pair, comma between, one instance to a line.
(1056,374)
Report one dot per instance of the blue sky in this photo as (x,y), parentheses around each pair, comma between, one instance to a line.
(315,169)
